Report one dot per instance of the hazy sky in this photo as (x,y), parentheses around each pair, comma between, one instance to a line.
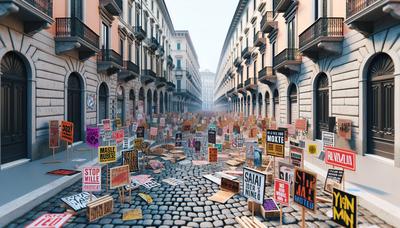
(208,22)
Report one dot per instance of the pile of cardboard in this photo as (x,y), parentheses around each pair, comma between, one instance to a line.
(99,208)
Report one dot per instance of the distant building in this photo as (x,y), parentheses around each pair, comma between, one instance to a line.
(207,81)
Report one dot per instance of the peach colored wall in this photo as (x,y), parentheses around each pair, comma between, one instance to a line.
(281,38)
(115,36)
(339,10)
(92,16)
(305,15)
(59,10)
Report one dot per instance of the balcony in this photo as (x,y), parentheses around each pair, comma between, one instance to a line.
(113,7)
(170,86)
(288,61)
(73,35)
(34,14)
(139,33)
(170,61)
(251,84)
(230,92)
(153,44)
(267,76)
(282,5)
(259,39)
(268,24)
(246,53)
(237,62)
(366,15)
(129,72)
(241,89)
(160,51)
(148,76)
(160,82)
(324,37)
(109,61)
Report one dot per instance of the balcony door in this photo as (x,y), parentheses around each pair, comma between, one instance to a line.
(76,9)
(322,101)
(260,103)
(132,98)
(381,106)
(75,104)
(103,102)
(276,106)
(293,110)
(121,104)
(267,105)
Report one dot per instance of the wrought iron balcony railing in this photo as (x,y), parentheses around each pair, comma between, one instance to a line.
(268,24)
(323,28)
(46,6)
(139,33)
(130,66)
(109,55)
(356,6)
(74,27)
(259,39)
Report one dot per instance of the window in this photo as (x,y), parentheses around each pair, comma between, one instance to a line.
(178,63)
(178,46)
(138,19)
(137,49)
(104,36)
(130,51)
(255,70)
(247,72)
(130,14)
(178,84)
(262,60)
(121,47)
(291,34)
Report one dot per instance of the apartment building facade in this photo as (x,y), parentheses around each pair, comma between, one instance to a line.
(187,96)
(208,84)
(318,59)
(81,61)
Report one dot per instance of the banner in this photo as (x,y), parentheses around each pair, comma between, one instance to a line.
(118,135)
(107,154)
(253,185)
(92,136)
(119,176)
(212,154)
(345,159)
(276,143)
(50,221)
(91,179)
(67,131)
(107,124)
(54,134)
(344,208)
(212,137)
(130,158)
(305,184)
(333,180)
(281,191)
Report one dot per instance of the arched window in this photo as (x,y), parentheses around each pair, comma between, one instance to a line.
(267,105)
(276,106)
(142,102)
(381,106)
(260,101)
(322,109)
(293,110)
(132,98)
(155,102)
(103,101)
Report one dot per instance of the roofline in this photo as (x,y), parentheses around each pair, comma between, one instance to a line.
(189,39)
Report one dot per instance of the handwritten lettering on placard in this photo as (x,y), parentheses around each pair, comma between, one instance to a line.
(107,154)
(305,189)
(67,131)
(276,143)
(99,208)
(344,208)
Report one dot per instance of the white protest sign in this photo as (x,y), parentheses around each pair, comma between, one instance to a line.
(78,201)
(253,185)
(328,139)
(91,179)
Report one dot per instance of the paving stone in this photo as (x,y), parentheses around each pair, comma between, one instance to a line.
(206,225)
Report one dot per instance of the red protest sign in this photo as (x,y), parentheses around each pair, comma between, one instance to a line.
(301,124)
(91,179)
(281,191)
(212,154)
(67,131)
(54,134)
(153,131)
(118,135)
(107,124)
(50,221)
(343,158)
(119,176)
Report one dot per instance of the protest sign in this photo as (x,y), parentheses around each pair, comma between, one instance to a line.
(99,208)
(257,157)
(153,131)
(276,143)
(119,176)
(107,124)
(253,185)
(138,144)
(333,180)
(344,128)
(178,139)
(118,123)
(312,148)
(91,179)
(197,146)
(162,122)
(212,137)
(130,158)
(50,221)
(140,132)
(107,154)
(54,134)
(212,154)
(296,156)
(67,131)
(78,201)
(286,172)
(281,191)
(219,147)
(92,136)
(328,139)
(301,124)
(131,142)
(344,208)
(340,157)
(135,214)
(118,135)
(305,184)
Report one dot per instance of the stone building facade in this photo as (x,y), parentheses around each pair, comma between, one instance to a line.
(208,83)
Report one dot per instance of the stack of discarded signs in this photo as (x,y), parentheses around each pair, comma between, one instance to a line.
(228,189)
(99,208)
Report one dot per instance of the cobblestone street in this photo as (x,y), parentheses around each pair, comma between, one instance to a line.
(187,204)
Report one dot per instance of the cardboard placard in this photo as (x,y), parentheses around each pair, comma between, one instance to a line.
(253,185)
(107,124)
(340,157)
(79,201)
(131,159)
(153,131)
(212,154)
(212,136)
(91,179)
(286,172)
(140,132)
(135,214)
(99,208)
(50,221)
(344,128)
(333,180)
(118,123)
(301,124)
(312,149)
(344,208)
(328,139)
(107,154)
(296,156)
(281,191)
(92,136)
(138,144)
(67,131)
(230,185)
(276,143)
(118,135)
(119,176)
(54,134)
(305,184)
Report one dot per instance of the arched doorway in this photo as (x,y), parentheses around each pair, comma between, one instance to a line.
(267,104)
(155,102)
(161,102)
(141,106)
(166,105)
(293,110)
(74,108)
(103,101)
(260,102)
(322,101)
(14,95)
(254,103)
(121,104)
(276,106)
(248,105)
(149,99)
(381,106)
(132,98)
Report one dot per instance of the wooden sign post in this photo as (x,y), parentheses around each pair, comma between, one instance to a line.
(275,145)
(305,187)
(54,137)
(107,154)
(281,194)
(119,177)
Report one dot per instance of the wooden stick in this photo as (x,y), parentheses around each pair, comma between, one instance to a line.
(281,215)
(303,217)
(253,210)
(344,181)
(274,169)
(257,222)
(54,153)
(107,178)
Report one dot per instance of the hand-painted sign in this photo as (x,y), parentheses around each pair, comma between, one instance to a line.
(296,156)
(50,221)
(333,180)
(328,139)
(92,136)
(305,188)
(312,148)
(118,135)
(340,157)
(99,208)
(344,128)
(130,158)
(301,124)
(78,201)
(153,131)
(281,191)
(230,185)
(276,143)
(54,134)
(140,132)
(107,124)
(138,144)
(286,172)
(344,208)
(107,154)
(67,131)
(212,136)
(118,123)
(178,139)
(212,154)
(119,176)
(253,185)
(91,179)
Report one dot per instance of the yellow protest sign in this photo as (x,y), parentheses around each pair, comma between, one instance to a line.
(107,154)
(146,197)
(312,149)
(135,214)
